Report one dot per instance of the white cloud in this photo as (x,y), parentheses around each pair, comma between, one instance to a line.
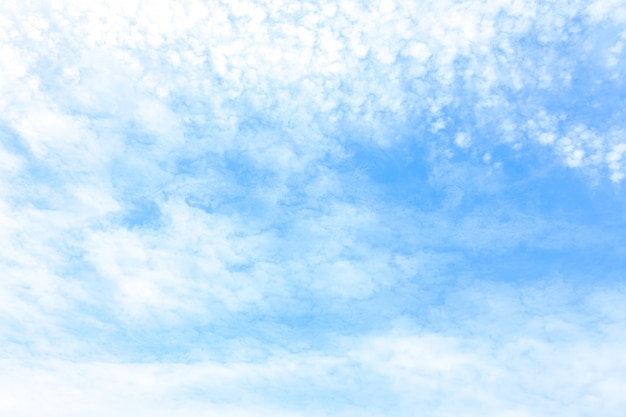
(322,57)
(523,351)
(607,9)
(462,140)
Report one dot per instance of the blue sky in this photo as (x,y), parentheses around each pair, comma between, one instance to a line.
(244,208)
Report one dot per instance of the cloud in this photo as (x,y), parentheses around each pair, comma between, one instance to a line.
(333,70)
(310,209)
(491,366)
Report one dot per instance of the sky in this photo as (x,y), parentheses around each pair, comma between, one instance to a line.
(332,208)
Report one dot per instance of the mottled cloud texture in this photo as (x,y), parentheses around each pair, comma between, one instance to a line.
(285,208)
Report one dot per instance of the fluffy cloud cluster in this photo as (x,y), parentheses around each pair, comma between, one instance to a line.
(380,71)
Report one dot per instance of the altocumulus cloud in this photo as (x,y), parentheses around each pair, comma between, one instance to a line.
(312,208)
